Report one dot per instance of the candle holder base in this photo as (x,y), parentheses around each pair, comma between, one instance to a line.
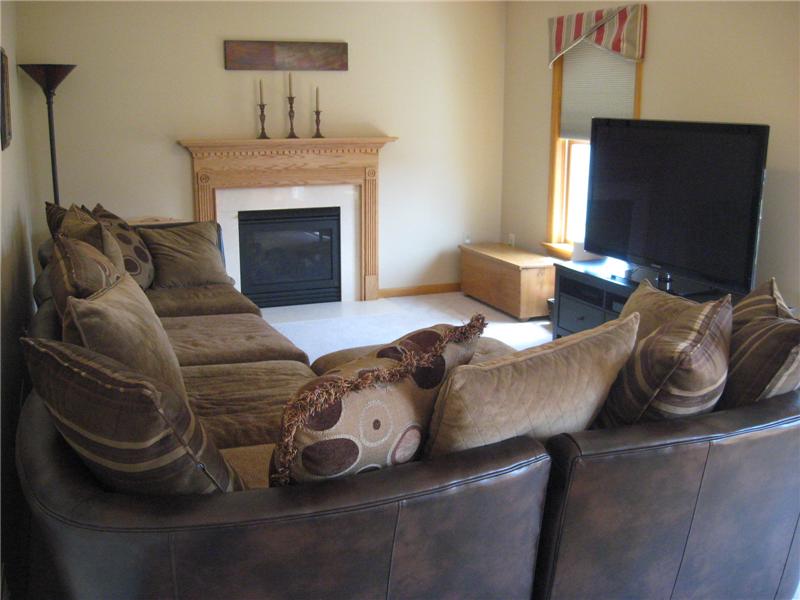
(292,135)
(317,134)
(262,116)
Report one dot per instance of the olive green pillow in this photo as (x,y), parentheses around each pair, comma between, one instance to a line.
(185,255)
(373,411)
(543,391)
(77,224)
(119,322)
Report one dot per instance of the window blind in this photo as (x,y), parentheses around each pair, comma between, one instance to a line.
(596,83)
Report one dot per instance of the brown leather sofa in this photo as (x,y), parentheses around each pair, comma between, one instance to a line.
(705,507)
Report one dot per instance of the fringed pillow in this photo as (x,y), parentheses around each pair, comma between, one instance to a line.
(373,411)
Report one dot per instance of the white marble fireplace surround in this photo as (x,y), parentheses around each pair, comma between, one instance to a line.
(229,202)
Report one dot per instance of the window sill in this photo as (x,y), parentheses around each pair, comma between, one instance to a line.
(562,251)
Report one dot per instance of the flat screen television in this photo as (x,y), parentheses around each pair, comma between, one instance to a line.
(678,197)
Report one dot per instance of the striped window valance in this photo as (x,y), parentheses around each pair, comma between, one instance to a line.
(620,30)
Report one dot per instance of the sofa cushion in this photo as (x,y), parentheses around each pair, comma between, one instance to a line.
(242,404)
(485,349)
(251,463)
(655,308)
(119,322)
(134,433)
(220,299)
(136,256)
(373,411)
(555,388)
(186,255)
(677,371)
(228,339)
(765,349)
(80,225)
(78,270)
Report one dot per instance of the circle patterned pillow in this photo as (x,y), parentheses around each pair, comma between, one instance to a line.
(136,256)
(373,411)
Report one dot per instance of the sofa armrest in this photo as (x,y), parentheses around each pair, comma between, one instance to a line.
(702,507)
(465,525)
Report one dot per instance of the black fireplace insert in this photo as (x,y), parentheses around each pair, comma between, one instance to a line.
(290,256)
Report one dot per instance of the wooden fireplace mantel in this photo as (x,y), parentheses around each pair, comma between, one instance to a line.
(254,163)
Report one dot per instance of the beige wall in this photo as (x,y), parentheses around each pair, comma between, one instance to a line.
(151,73)
(704,61)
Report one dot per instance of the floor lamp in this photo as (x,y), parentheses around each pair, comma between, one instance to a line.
(48,77)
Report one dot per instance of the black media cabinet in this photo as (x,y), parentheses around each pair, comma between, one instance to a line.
(591,292)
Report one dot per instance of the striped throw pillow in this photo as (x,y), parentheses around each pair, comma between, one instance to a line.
(676,371)
(765,348)
(135,434)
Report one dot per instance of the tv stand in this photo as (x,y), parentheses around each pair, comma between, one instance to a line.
(591,292)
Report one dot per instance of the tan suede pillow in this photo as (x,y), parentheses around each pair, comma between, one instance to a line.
(77,269)
(655,308)
(120,323)
(77,224)
(186,255)
(554,388)
(765,349)
(373,411)
(677,371)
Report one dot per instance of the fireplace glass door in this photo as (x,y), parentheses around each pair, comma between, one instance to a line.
(290,256)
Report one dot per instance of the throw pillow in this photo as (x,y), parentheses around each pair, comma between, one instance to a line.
(677,371)
(186,255)
(54,214)
(78,269)
(765,349)
(134,433)
(137,259)
(373,411)
(119,322)
(77,224)
(543,391)
(655,308)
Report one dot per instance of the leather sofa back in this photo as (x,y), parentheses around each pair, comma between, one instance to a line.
(694,508)
(466,525)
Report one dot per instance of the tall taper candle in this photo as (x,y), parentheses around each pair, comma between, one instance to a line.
(260,92)
(317,97)
(290,84)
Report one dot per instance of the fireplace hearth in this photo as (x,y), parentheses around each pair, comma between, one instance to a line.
(290,256)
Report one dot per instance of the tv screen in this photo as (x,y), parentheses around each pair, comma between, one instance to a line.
(680,197)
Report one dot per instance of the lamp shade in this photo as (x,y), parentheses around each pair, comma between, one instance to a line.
(48,76)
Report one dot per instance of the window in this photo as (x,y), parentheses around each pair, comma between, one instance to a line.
(596,61)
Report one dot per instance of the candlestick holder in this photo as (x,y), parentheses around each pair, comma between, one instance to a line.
(292,134)
(262,116)
(316,120)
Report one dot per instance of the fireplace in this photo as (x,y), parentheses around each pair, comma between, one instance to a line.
(290,256)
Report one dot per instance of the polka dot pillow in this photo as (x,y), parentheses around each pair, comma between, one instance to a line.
(136,256)
(373,411)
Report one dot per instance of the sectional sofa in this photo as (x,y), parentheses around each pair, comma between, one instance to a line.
(703,507)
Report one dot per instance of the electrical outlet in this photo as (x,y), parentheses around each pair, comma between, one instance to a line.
(512,239)
(467,238)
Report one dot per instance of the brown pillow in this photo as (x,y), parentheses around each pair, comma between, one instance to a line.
(655,308)
(78,269)
(134,433)
(77,224)
(543,391)
(186,255)
(765,349)
(676,371)
(373,411)
(119,322)
(136,257)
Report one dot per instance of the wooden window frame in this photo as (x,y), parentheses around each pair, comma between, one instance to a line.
(557,243)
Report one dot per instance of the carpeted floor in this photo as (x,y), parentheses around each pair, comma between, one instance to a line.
(322,328)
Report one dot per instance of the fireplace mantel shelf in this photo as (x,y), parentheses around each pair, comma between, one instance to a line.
(254,163)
